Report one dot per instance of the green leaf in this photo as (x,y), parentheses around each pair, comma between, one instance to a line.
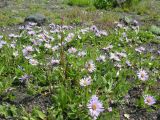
(1,70)
(41,114)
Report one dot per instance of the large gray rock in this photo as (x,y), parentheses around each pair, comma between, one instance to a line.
(37,18)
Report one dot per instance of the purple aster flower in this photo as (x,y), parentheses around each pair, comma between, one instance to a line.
(27,50)
(128,63)
(94,28)
(95,107)
(149,100)
(31,32)
(24,78)
(142,75)
(140,49)
(54,62)
(2,43)
(69,37)
(1,37)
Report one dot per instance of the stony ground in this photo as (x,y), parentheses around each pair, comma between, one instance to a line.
(13,12)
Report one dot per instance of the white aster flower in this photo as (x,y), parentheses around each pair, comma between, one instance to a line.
(72,50)
(54,48)
(90,66)
(81,53)
(33,62)
(48,46)
(107,48)
(15,54)
(12,45)
(85,81)
(110,109)
(103,32)
(114,56)
(121,54)
(101,58)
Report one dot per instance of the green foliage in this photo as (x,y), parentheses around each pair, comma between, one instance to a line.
(104,4)
(107,4)
(130,3)
(80,3)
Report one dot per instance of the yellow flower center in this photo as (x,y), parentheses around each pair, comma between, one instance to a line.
(142,75)
(149,100)
(89,66)
(94,106)
(85,82)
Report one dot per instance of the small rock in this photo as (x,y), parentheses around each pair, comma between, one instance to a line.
(3,3)
(37,18)
(125,20)
(126,116)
